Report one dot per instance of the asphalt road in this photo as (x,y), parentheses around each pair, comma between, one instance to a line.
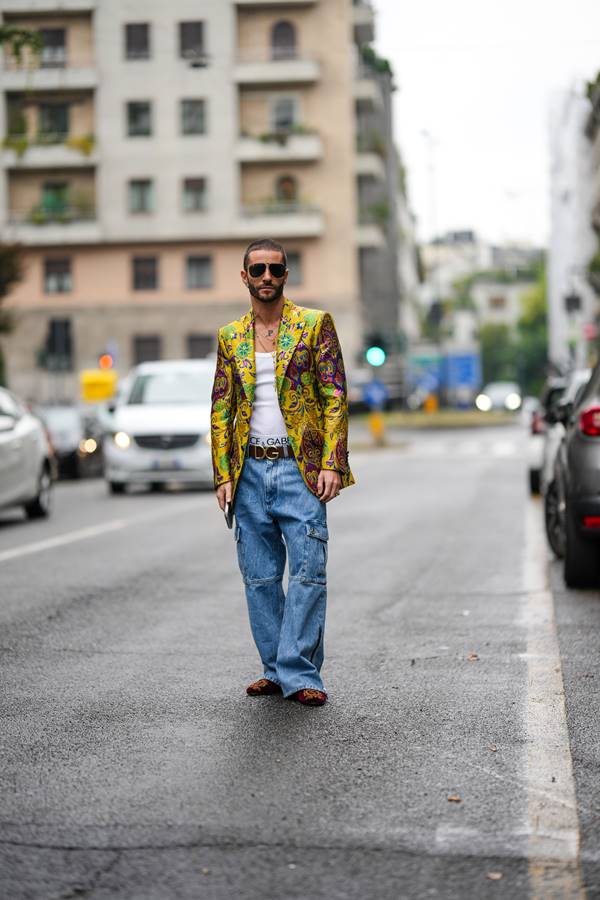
(448,763)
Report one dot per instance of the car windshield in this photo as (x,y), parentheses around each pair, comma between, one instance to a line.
(171,388)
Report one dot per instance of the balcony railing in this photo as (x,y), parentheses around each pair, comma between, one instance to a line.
(40,215)
(280,146)
(281,64)
(278,208)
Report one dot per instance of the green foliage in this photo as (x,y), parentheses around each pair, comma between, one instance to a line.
(592,86)
(375,62)
(498,353)
(16,40)
(532,337)
(11,272)
(17,142)
(520,355)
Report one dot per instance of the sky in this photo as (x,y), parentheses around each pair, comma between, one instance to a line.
(476,80)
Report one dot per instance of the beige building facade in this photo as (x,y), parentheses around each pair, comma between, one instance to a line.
(147,146)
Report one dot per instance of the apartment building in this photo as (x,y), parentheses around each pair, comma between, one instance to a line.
(150,142)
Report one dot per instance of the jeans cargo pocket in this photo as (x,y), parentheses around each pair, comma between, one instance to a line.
(315,553)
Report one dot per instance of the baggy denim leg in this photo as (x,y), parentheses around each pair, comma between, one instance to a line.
(303,521)
(274,505)
(261,558)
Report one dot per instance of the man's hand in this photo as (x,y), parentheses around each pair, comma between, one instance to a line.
(224,494)
(328,485)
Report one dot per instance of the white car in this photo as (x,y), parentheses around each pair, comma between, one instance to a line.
(160,428)
(27,466)
(504,395)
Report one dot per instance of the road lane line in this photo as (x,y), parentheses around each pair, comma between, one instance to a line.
(83,534)
(553,844)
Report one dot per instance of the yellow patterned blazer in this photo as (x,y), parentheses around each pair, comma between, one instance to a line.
(311,386)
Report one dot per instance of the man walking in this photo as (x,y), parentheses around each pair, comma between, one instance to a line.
(279,428)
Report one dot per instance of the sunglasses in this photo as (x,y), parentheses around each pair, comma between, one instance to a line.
(277,270)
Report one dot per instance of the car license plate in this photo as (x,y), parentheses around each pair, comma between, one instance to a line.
(166,464)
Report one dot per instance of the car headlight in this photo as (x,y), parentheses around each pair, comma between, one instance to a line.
(512,402)
(207,439)
(89,445)
(122,440)
(483,402)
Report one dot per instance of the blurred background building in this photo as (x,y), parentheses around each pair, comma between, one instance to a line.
(572,302)
(150,142)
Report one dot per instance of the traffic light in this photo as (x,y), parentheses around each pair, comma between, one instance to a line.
(105,361)
(375,355)
(375,349)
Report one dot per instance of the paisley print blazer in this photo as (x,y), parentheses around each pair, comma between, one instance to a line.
(311,386)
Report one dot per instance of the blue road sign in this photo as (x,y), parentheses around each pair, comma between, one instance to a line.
(375,393)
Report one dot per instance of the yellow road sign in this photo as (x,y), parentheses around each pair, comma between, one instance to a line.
(97,384)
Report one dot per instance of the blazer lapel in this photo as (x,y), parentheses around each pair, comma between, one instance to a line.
(290,332)
(244,355)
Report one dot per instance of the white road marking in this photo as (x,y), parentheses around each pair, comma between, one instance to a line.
(84,534)
(553,846)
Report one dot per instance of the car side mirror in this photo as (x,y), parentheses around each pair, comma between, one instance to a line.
(564,412)
(7,423)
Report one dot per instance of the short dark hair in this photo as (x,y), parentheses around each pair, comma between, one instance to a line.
(264,244)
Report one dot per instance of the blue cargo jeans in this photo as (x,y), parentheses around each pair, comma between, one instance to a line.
(275,512)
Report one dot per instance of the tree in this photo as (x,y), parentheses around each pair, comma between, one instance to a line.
(498,353)
(11,272)
(532,337)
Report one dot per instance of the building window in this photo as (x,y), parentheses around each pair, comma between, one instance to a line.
(146,348)
(199,345)
(198,272)
(193,117)
(191,41)
(139,118)
(58,351)
(286,190)
(57,276)
(145,273)
(294,264)
(283,41)
(141,196)
(54,48)
(284,113)
(53,122)
(194,194)
(137,40)
(497,302)
(55,197)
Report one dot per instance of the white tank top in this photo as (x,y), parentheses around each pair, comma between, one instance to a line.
(267,426)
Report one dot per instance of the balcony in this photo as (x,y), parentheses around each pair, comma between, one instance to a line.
(372,220)
(27,7)
(284,220)
(260,68)
(44,228)
(67,75)
(369,165)
(271,4)
(367,89)
(48,151)
(363,18)
(285,147)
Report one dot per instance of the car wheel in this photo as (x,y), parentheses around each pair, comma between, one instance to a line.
(553,521)
(581,557)
(39,507)
(116,487)
(534,481)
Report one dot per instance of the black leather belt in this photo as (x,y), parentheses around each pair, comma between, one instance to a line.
(257,451)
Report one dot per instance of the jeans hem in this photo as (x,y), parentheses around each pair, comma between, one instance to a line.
(304,687)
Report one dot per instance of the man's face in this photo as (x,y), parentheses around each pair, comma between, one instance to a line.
(264,286)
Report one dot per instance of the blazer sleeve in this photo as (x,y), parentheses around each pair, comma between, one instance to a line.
(331,381)
(222,416)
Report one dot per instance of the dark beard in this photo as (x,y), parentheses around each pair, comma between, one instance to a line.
(278,291)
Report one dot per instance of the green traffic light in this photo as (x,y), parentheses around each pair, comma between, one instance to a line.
(375,356)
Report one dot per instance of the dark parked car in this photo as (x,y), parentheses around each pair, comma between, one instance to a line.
(76,438)
(573,513)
